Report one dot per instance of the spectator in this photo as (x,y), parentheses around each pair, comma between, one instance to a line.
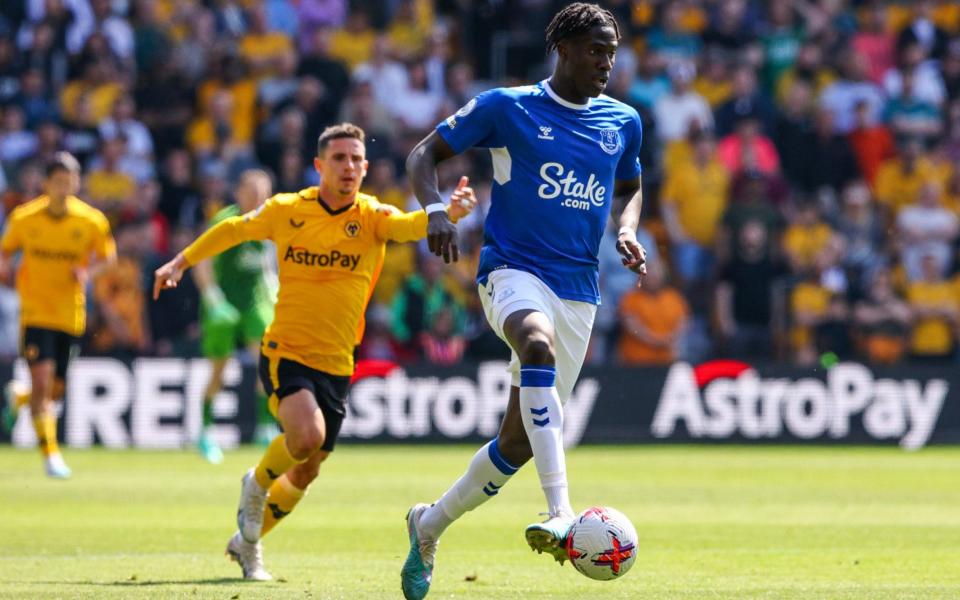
(654,318)
(875,42)
(871,142)
(809,69)
(820,314)
(107,185)
(329,71)
(316,15)
(899,179)
(926,84)
(881,321)
(442,344)
(353,45)
(119,325)
(747,147)
(682,109)
(99,85)
(419,301)
(842,96)
(123,121)
(909,115)
(263,49)
(927,230)
(746,101)
(115,28)
(923,31)
(694,199)
(861,231)
(16,142)
(669,40)
(809,242)
(649,85)
(237,96)
(713,82)
(934,314)
(781,41)
(389,78)
(744,294)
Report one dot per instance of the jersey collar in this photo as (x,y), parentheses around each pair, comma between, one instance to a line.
(561,101)
(313,193)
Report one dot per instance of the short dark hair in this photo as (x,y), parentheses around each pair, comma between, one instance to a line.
(340,130)
(63,161)
(575,19)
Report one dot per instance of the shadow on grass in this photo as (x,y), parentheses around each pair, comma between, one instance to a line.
(154,582)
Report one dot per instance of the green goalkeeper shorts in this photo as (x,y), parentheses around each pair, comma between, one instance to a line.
(221,340)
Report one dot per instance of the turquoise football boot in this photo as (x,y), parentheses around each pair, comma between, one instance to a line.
(550,537)
(417,572)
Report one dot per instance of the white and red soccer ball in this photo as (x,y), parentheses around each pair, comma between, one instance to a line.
(602,544)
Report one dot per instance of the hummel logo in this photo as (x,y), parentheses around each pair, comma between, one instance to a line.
(295,224)
(277,513)
(545,133)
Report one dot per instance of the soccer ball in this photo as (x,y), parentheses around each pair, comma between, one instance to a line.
(602,543)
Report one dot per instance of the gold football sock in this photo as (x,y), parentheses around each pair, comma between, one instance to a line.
(45,426)
(281,499)
(21,399)
(275,462)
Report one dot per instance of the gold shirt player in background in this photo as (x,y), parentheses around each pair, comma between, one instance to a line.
(330,244)
(56,234)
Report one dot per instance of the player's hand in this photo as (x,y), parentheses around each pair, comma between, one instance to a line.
(632,253)
(169,275)
(218,308)
(462,201)
(442,233)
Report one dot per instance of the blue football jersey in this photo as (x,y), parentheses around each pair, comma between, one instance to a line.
(554,166)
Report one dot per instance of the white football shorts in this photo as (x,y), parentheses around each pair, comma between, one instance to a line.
(510,290)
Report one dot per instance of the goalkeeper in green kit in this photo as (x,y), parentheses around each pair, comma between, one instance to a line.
(238,291)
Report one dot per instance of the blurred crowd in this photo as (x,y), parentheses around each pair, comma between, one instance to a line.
(801,159)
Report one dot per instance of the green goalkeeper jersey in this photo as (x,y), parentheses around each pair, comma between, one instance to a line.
(243,272)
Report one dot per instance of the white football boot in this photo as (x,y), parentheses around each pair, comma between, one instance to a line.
(250,511)
(249,557)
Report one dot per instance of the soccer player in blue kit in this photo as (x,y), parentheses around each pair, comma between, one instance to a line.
(565,159)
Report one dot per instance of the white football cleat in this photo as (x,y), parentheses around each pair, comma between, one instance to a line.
(249,557)
(250,511)
(56,467)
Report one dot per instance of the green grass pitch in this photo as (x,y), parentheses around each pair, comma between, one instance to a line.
(714,522)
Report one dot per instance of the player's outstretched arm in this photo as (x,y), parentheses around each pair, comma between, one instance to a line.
(398,226)
(422,172)
(224,235)
(627,205)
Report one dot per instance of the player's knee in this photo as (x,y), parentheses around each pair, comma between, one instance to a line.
(537,349)
(306,441)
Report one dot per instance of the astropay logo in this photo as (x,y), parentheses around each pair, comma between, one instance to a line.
(721,399)
(560,182)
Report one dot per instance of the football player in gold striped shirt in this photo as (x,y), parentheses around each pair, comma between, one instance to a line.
(330,242)
(60,238)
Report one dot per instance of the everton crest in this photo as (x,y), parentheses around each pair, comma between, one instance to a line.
(610,141)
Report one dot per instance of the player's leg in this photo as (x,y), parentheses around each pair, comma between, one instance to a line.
(16,395)
(217,343)
(65,347)
(287,491)
(206,443)
(304,433)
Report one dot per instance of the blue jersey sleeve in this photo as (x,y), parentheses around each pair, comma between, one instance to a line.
(629,165)
(474,124)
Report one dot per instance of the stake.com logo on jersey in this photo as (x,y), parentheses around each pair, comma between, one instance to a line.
(576,194)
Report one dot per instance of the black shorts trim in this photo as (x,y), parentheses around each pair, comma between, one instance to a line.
(329,390)
(41,344)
